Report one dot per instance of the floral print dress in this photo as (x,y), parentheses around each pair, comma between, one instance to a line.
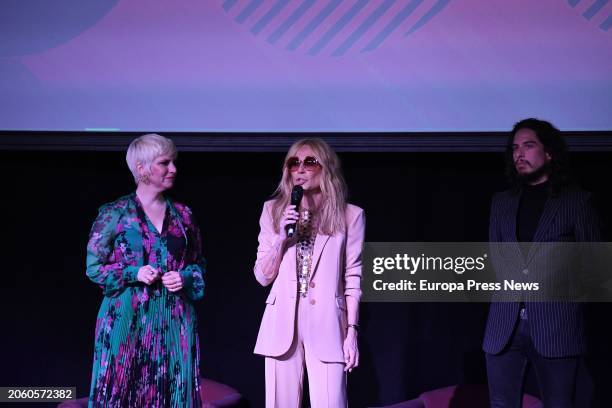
(146,350)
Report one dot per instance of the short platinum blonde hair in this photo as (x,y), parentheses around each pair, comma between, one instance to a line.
(145,149)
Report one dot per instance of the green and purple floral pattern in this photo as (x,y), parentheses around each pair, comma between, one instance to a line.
(146,350)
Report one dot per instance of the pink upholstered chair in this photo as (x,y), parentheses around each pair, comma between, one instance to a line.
(214,395)
(459,396)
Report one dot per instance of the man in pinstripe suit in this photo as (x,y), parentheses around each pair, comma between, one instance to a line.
(540,207)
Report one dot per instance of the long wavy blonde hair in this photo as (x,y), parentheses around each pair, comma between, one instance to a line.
(333,187)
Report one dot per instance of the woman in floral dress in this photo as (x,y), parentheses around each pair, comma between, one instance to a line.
(144,252)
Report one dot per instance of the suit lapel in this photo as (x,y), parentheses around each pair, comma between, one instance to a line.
(508,224)
(510,221)
(548,215)
(319,244)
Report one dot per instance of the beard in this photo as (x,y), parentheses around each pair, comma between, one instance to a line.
(526,178)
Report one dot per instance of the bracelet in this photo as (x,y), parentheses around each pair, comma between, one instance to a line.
(354,326)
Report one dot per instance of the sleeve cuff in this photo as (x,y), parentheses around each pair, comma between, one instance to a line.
(354,293)
(187,277)
(131,273)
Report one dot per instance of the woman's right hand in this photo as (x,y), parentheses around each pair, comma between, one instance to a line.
(147,274)
(290,216)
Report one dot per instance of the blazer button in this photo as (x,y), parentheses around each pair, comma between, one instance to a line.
(525,271)
(312,284)
(312,301)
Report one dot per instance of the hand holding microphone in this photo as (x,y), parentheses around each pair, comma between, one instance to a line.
(290,214)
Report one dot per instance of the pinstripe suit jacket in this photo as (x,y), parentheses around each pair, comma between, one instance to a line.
(557,328)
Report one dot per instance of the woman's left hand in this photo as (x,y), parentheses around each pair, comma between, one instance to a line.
(351,350)
(172,281)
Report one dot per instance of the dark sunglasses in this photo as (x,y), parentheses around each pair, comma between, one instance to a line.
(310,163)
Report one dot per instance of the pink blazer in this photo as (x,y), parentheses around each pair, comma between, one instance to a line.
(336,273)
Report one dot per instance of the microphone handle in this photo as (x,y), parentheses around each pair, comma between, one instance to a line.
(290,230)
(292,227)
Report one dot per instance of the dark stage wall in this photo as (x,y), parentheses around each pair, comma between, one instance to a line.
(48,306)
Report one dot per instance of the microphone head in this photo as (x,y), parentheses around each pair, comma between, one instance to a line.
(296,195)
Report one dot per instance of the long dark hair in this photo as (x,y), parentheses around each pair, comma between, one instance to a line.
(554,144)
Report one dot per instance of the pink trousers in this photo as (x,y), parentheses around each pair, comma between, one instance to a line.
(285,374)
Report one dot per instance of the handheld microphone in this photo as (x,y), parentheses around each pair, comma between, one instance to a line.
(296,197)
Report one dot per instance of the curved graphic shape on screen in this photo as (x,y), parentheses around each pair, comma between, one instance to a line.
(31,26)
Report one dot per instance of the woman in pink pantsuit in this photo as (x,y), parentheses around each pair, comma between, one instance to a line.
(312,311)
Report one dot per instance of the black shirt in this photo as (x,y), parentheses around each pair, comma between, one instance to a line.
(531,207)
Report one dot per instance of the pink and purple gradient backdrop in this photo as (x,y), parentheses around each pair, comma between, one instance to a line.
(190,65)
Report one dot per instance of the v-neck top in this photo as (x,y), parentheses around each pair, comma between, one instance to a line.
(163,250)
